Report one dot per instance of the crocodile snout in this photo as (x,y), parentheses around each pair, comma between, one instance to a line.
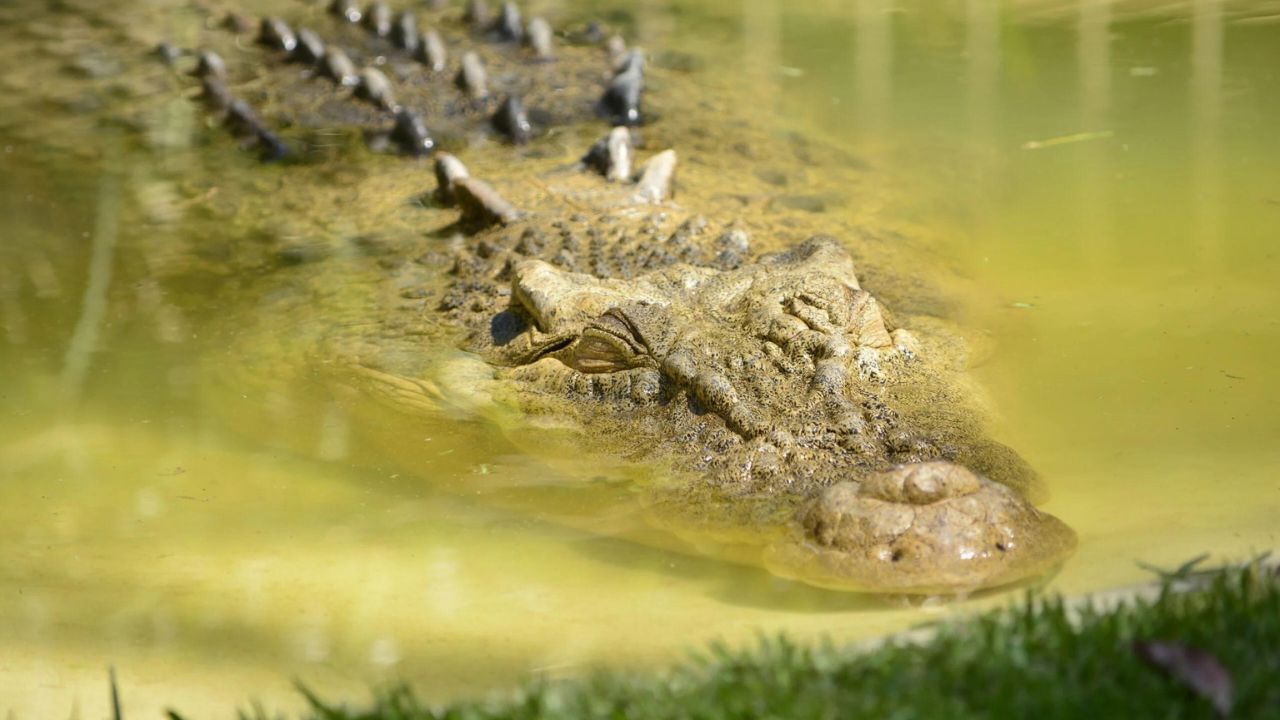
(922,528)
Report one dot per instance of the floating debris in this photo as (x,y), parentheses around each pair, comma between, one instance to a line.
(1067,139)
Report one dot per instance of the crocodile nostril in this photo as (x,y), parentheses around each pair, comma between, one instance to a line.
(1001,546)
(896,556)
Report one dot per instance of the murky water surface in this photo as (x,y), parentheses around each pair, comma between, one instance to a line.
(1106,174)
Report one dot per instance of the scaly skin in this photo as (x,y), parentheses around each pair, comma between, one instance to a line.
(778,383)
(805,426)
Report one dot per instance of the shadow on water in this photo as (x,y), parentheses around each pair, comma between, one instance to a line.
(727,582)
(745,586)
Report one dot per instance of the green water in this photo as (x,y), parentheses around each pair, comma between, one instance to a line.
(1106,175)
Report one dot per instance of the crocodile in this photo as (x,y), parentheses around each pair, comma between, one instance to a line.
(804,420)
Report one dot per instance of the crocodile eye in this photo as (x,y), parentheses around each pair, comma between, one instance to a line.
(599,351)
(609,344)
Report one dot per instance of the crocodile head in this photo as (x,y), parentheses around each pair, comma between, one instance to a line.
(797,403)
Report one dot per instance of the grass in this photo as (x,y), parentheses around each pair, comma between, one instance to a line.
(1041,657)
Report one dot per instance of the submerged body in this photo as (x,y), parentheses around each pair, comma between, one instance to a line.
(800,423)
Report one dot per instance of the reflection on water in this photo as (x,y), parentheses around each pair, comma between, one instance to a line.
(872,65)
(1093,58)
(1106,172)
(1206,138)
